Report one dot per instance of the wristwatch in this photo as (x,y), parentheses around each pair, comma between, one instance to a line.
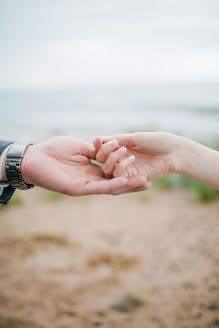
(13,166)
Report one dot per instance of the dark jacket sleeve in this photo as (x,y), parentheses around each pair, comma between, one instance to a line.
(8,191)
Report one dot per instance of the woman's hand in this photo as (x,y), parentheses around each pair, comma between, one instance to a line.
(157,154)
(63,164)
(152,154)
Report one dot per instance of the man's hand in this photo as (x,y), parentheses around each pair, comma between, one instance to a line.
(152,154)
(63,164)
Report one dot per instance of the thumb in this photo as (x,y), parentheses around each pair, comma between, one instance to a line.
(88,150)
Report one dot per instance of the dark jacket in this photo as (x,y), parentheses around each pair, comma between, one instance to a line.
(8,191)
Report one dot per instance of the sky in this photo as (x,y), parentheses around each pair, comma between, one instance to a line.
(49,44)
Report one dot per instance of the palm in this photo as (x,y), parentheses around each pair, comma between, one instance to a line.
(71,162)
(63,165)
(152,166)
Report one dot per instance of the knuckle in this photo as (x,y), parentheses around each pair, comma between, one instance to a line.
(99,157)
(106,169)
(122,165)
(105,148)
(116,173)
(114,156)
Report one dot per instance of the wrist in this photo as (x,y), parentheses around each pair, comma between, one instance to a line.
(185,147)
(190,156)
(180,153)
(176,153)
(26,165)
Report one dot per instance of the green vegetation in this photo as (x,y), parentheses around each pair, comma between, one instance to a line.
(93,161)
(52,196)
(216,147)
(198,190)
(15,200)
(163,183)
(203,193)
(143,196)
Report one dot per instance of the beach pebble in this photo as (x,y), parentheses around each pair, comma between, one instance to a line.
(127,304)
(97,324)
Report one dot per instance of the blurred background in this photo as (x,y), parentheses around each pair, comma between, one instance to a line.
(86,68)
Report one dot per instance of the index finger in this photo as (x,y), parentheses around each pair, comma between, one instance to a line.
(105,150)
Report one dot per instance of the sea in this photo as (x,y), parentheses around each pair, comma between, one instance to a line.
(189,109)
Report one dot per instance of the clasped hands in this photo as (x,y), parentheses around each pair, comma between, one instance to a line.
(63,164)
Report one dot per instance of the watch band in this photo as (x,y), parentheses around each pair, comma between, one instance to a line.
(13,166)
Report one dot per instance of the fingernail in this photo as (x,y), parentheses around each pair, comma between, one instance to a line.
(122,150)
(113,143)
(131,158)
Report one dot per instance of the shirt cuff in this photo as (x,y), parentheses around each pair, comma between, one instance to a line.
(6,195)
(3,159)
(2,186)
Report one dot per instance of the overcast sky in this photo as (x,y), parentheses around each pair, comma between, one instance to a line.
(65,43)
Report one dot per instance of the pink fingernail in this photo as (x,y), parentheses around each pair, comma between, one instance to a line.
(122,150)
(113,143)
(131,158)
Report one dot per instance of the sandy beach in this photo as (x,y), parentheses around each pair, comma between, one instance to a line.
(134,261)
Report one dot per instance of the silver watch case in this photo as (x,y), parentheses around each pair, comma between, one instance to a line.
(13,166)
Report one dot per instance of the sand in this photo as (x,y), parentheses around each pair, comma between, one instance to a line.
(138,260)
